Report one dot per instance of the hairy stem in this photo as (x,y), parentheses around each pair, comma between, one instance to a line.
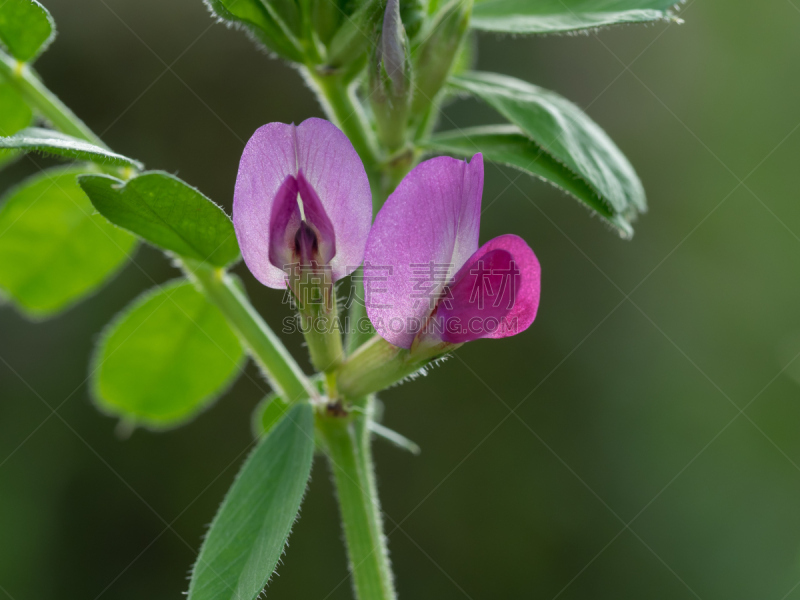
(283,373)
(348,440)
(348,447)
(37,95)
(359,327)
(319,323)
(346,112)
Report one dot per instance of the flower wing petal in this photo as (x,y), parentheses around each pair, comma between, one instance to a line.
(480,298)
(529,289)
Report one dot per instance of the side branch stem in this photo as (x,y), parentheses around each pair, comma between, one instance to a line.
(37,95)
(283,373)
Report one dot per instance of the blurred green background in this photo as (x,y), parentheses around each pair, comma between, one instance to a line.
(640,441)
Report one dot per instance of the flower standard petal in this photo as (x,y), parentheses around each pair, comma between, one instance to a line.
(423,234)
(268,159)
(334,183)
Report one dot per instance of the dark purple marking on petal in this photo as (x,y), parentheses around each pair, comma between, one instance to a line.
(318,221)
(283,225)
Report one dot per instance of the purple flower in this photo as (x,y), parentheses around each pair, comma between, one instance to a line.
(302,198)
(427,282)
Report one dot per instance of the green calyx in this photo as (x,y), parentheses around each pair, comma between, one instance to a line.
(318,318)
(377,365)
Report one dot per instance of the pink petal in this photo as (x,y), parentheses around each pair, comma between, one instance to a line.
(332,169)
(494,295)
(483,293)
(425,232)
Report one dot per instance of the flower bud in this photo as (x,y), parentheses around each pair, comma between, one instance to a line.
(390,79)
(352,39)
(434,59)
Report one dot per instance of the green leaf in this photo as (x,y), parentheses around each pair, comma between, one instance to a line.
(15,114)
(568,136)
(508,145)
(397,439)
(166,212)
(268,21)
(268,413)
(165,358)
(552,16)
(54,248)
(61,144)
(350,41)
(26,28)
(248,535)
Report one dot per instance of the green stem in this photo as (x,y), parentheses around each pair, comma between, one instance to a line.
(320,324)
(341,106)
(283,373)
(359,327)
(37,95)
(348,446)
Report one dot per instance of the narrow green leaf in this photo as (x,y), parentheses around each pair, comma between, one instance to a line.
(26,28)
(268,21)
(36,139)
(508,145)
(268,413)
(165,358)
(15,114)
(568,135)
(54,248)
(397,439)
(552,16)
(248,535)
(166,212)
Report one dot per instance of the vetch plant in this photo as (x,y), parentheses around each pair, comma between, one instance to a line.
(303,211)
